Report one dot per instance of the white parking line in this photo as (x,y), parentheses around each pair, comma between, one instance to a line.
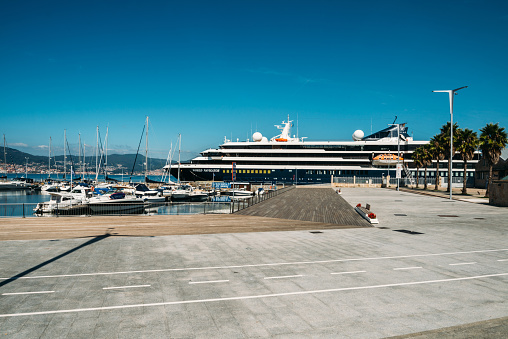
(121,287)
(463,263)
(407,268)
(22,293)
(253,296)
(284,276)
(207,281)
(350,272)
(257,265)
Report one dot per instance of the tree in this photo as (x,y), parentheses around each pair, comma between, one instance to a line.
(492,140)
(426,159)
(445,132)
(438,150)
(417,160)
(467,144)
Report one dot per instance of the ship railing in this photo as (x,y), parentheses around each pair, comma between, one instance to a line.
(240,204)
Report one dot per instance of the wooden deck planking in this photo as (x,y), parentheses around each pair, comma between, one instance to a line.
(308,204)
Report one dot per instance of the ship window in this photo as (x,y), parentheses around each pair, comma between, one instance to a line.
(257,172)
(269,171)
(264,172)
(223,171)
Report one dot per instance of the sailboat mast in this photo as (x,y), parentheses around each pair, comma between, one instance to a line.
(179,149)
(79,150)
(97,157)
(170,160)
(49,159)
(84,160)
(146,150)
(5,157)
(65,154)
(106,146)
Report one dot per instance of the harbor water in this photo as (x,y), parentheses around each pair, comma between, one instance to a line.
(21,203)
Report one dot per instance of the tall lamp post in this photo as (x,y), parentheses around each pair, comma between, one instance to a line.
(451,93)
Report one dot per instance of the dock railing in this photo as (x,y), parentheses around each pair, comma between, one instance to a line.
(240,204)
(25,210)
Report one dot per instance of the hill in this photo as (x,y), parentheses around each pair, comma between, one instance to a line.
(118,161)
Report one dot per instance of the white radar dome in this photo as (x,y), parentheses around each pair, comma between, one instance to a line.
(264,139)
(358,135)
(257,136)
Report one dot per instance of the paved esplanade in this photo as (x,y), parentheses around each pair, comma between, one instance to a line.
(448,277)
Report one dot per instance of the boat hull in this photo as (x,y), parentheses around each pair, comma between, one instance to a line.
(117,208)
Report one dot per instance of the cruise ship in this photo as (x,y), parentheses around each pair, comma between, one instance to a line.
(288,159)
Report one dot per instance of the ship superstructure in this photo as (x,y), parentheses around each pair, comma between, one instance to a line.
(294,160)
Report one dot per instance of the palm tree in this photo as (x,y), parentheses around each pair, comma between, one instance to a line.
(426,160)
(417,160)
(438,150)
(492,140)
(445,132)
(467,141)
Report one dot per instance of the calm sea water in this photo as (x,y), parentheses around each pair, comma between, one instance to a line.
(22,202)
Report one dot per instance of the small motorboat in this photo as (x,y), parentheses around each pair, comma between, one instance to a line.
(116,203)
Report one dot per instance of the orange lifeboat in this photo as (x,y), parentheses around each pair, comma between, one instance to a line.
(386,160)
(281,139)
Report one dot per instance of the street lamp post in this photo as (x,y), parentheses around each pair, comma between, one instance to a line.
(451,93)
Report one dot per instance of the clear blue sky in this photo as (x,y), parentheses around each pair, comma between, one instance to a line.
(209,69)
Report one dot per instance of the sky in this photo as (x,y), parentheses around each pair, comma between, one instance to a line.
(214,69)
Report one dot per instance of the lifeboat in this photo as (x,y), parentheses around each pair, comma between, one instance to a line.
(281,139)
(386,160)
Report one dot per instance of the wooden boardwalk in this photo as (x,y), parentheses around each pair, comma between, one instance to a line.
(308,204)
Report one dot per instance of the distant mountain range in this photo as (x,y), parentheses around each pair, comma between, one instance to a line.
(120,161)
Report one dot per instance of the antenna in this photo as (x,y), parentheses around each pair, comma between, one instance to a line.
(297,125)
(394,120)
